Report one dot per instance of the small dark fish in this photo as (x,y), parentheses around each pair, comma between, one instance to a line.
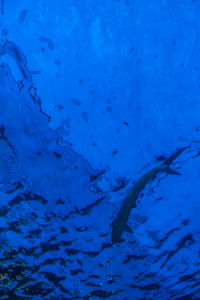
(120,223)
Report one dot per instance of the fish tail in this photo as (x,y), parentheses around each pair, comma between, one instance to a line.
(169,160)
(168,170)
(166,165)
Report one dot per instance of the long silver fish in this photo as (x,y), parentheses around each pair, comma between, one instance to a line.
(120,223)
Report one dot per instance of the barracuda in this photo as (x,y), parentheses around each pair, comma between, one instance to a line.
(120,223)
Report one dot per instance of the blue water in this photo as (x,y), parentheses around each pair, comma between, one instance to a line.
(99,102)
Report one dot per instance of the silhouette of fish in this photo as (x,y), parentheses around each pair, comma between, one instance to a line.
(120,223)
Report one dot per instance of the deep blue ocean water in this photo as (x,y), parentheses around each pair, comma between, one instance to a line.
(100,149)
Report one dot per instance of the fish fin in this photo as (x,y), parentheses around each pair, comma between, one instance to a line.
(128,229)
(169,160)
(168,170)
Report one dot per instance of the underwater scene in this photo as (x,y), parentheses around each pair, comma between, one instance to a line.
(100,149)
